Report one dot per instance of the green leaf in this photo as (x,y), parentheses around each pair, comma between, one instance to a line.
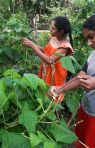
(8,52)
(62,134)
(2,131)
(27,31)
(12,22)
(52,115)
(67,63)
(72,100)
(28,118)
(48,144)
(1,50)
(13,40)
(3,37)
(40,101)
(14,99)
(42,136)
(42,84)
(13,140)
(8,81)
(18,28)
(91,1)
(34,139)
(39,94)
(63,123)
(75,62)
(21,82)
(32,80)
(11,72)
(3,96)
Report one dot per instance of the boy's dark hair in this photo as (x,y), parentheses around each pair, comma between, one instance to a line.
(62,23)
(90,23)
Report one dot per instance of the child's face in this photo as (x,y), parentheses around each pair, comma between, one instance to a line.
(53,29)
(89,35)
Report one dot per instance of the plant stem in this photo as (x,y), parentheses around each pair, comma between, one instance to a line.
(45,112)
(12,124)
(30,94)
(72,117)
(83,144)
(3,117)
(47,135)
